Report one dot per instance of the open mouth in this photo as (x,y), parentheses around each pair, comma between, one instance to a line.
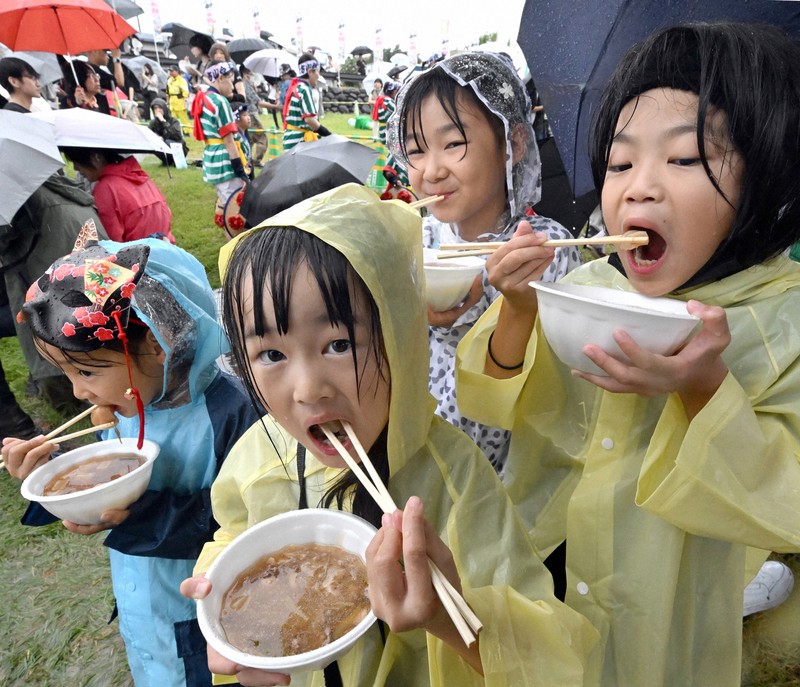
(652,252)
(334,426)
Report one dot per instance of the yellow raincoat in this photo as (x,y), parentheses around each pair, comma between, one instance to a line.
(529,638)
(657,510)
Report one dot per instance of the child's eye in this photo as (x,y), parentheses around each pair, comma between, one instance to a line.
(413,151)
(686,161)
(339,346)
(455,144)
(619,168)
(270,356)
(85,373)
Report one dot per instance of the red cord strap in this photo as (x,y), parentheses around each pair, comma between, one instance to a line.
(134,392)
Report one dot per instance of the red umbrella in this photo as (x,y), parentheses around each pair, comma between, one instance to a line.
(64,27)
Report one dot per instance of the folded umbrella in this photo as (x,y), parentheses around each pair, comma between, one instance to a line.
(79,128)
(573,47)
(306,170)
(28,156)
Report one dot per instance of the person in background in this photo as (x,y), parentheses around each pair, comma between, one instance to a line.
(300,122)
(128,201)
(258,137)
(22,83)
(223,162)
(287,74)
(87,93)
(109,80)
(375,95)
(166,126)
(242,116)
(199,46)
(149,88)
(178,92)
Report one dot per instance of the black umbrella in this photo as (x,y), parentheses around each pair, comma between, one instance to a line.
(180,36)
(394,72)
(304,171)
(240,48)
(361,50)
(573,47)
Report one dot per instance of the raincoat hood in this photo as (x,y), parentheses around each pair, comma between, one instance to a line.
(382,240)
(160,102)
(129,169)
(174,300)
(494,81)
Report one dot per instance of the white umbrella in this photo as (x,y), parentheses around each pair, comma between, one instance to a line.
(269,60)
(28,156)
(135,65)
(79,128)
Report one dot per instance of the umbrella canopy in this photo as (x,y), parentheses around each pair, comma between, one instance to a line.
(64,27)
(269,60)
(361,50)
(573,47)
(180,36)
(240,48)
(22,137)
(125,8)
(135,64)
(79,128)
(395,72)
(45,64)
(304,171)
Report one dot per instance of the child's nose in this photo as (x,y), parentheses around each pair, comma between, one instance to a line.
(435,168)
(310,385)
(644,184)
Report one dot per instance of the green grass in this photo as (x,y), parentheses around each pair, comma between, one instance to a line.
(57,590)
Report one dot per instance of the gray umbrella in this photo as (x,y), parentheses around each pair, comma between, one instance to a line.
(126,8)
(239,48)
(135,64)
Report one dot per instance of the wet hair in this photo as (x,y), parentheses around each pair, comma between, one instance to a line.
(270,257)
(83,156)
(751,73)
(14,67)
(445,90)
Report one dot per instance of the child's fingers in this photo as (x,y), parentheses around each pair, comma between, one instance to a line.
(85,529)
(23,457)
(384,572)
(196,587)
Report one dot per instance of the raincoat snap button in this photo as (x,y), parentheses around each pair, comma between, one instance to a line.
(583,588)
(130,587)
(607,443)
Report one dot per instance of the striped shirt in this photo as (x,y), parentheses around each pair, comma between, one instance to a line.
(386,109)
(301,106)
(216,160)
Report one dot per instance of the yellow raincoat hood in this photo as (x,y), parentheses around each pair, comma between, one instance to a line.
(351,219)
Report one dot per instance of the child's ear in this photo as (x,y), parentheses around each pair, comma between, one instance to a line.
(154,348)
(519,143)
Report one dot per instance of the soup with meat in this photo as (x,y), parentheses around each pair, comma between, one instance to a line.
(91,472)
(295,600)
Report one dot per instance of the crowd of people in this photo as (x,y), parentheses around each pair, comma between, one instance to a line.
(603,527)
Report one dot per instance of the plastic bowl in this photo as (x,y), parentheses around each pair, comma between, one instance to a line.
(573,316)
(447,282)
(85,507)
(308,526)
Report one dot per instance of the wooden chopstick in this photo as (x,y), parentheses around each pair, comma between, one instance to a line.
(88,430)
(458,250)
(422,202)
(457,608)
(69,423)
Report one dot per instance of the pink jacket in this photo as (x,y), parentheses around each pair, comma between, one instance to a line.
(129,203)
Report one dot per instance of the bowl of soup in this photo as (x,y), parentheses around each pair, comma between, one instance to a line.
(447,282)
(81,484)
(290,593)
(573,315)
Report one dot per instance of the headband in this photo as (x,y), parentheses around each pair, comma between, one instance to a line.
(213,72)
(303,69)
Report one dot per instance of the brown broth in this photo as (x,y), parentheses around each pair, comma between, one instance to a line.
(295,600)
(91,472)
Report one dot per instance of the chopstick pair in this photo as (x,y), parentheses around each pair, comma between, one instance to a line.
(627,240)
(425,201)
(460,613)
(52,435)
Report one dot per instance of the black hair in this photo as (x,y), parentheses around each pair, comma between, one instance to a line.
(147,69)
(83,156)
(199,40)
(269,258)
(14,67)
(751,73)
(74,68)
(445,90)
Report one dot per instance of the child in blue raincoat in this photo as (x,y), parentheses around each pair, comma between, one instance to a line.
(167,387)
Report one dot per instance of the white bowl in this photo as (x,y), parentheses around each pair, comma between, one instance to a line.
(86,507)
(447,282)
(573,316)
(308,526)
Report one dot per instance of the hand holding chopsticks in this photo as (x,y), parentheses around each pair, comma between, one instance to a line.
(460,613)
(625,241)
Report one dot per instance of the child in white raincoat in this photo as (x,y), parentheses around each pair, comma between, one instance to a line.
(325,306)
(660,474)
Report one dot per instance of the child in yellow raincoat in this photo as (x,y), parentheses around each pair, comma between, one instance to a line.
(325,305)
(660,474)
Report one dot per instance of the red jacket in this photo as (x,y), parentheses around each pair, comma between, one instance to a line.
(130,204)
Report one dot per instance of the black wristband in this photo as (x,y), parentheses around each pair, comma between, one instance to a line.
(494,360)
(322,131)
(238,169)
